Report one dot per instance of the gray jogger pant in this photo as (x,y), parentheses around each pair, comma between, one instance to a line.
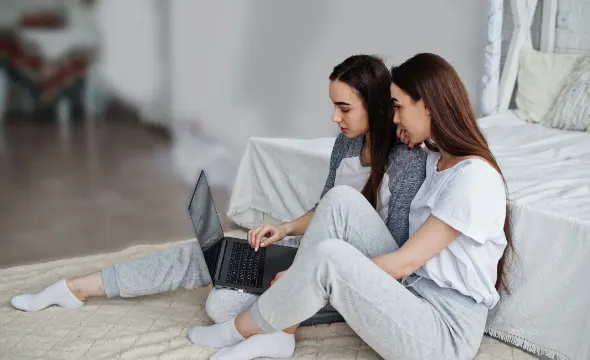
(181,267)
(184,266)
(411,319)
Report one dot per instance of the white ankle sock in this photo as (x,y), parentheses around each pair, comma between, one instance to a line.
(277,345)
(55,294)
(217,336)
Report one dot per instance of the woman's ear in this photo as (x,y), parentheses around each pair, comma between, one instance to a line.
(426,109)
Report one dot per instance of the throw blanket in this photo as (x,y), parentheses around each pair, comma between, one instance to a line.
(280,178)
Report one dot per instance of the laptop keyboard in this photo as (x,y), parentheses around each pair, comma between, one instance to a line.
(246,266)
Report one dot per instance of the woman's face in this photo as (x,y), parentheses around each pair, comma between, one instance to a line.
(349,111)
(412,117)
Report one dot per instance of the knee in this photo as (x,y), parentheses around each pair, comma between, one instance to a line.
(341,192)
(340,195)
(224,304)
(333,251)
(216,307)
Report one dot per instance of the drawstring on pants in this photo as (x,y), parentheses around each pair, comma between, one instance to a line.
(412,284)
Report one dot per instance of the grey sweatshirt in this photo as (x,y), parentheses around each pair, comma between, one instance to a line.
(406,169)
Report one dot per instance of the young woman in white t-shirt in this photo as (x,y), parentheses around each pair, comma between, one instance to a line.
(428,298)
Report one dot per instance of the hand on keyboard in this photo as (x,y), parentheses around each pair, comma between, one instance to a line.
(272,232)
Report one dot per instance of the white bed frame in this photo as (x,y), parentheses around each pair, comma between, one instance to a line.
(523,12)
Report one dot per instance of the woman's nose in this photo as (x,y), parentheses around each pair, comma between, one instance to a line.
(396,118)
(336,118)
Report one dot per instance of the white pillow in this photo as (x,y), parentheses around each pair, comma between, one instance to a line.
(541,77)
(572,107)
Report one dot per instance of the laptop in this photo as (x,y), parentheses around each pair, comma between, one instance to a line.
(232,262)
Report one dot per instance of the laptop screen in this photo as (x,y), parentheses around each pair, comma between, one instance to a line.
(203,214)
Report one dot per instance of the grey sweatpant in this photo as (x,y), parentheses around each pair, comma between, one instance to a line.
(181,267)
(414,319)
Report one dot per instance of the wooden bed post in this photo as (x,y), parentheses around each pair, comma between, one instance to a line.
(523,12)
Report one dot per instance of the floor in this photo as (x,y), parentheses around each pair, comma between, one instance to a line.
(148,327)
(87,188)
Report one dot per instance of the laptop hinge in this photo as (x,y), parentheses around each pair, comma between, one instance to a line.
(220,259)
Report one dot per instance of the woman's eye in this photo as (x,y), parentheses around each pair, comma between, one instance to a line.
(345,110)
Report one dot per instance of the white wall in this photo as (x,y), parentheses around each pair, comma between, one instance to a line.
(268,61)
(260,68)
(132,57)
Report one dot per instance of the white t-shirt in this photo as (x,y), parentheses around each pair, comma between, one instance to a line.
(352,173)
(470,197)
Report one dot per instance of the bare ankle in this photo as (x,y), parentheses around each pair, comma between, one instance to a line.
(291,330)
(86,286)
(246,325)
(74,287)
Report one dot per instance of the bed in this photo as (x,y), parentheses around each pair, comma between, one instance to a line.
(547,172)
(548,176)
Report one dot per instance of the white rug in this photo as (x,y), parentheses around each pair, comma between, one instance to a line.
(151,327)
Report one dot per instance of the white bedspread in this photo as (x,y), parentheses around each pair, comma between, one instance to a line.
(548,176)
(279,178)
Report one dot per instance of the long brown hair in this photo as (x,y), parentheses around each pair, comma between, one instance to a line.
(369,77)
(430,78)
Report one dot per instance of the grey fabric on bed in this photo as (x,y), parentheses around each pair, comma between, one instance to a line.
(571,110)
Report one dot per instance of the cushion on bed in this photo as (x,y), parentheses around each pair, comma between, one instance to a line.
(571,110)
(541,77)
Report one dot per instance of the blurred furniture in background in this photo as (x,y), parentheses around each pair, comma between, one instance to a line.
(47,49)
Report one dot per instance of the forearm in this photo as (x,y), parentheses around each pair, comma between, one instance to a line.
(396,264)
(298,226)
(430,239)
